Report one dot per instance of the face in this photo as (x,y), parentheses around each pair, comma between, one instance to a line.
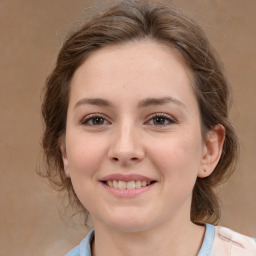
(133,146)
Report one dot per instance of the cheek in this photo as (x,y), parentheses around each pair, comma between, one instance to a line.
(178,157)
(85,154)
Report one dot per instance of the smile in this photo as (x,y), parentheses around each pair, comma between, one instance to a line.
(127,185)
(120,184)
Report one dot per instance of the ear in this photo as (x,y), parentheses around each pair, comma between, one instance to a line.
(64,157)
(212,150)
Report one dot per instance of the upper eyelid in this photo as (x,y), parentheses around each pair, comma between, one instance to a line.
(160,114)
(149,117)
(168,116)
(93,115)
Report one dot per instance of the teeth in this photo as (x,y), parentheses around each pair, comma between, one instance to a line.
(115,184)
(138,184)
(143,183)
(110,183)
(121,184)
(127,185)
(130,185)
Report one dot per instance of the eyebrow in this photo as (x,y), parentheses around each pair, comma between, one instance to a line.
(142,104)
(94,101)
(160,101)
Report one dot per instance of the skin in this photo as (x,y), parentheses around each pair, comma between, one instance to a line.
(128,138)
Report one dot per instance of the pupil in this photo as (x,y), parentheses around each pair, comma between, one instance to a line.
(159,120)
(98,120)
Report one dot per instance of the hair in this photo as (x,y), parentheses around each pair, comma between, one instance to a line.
(131,21)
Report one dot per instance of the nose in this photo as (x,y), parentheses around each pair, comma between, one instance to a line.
(126,145)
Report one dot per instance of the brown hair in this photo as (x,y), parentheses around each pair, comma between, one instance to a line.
(131,21)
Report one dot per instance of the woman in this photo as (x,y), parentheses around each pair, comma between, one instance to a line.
(137,132)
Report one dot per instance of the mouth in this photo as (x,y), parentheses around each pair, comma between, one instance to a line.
(129,185)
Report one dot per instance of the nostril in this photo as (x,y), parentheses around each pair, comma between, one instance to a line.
(116,159)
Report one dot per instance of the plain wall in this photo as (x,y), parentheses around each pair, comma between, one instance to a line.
(30,219)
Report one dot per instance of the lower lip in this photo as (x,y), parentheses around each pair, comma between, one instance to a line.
(127,192)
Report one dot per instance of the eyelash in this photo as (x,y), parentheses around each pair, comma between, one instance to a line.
(93,117)
(87,119)
(163,116)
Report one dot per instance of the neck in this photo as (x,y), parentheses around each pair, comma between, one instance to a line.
(182,239)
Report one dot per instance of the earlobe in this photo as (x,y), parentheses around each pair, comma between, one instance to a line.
(65,158)
(212,150)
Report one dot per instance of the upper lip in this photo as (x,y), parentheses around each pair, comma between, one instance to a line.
(126,177)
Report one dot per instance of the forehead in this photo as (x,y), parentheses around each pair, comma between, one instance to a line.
(144,67)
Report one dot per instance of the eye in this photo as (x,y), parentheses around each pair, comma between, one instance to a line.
(94,120)
(161,120)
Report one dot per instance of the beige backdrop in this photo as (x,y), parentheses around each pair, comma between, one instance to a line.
(30,223)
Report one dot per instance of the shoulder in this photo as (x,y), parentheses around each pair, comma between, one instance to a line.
(229,242)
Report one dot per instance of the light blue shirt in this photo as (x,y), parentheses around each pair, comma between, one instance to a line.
(84,248)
